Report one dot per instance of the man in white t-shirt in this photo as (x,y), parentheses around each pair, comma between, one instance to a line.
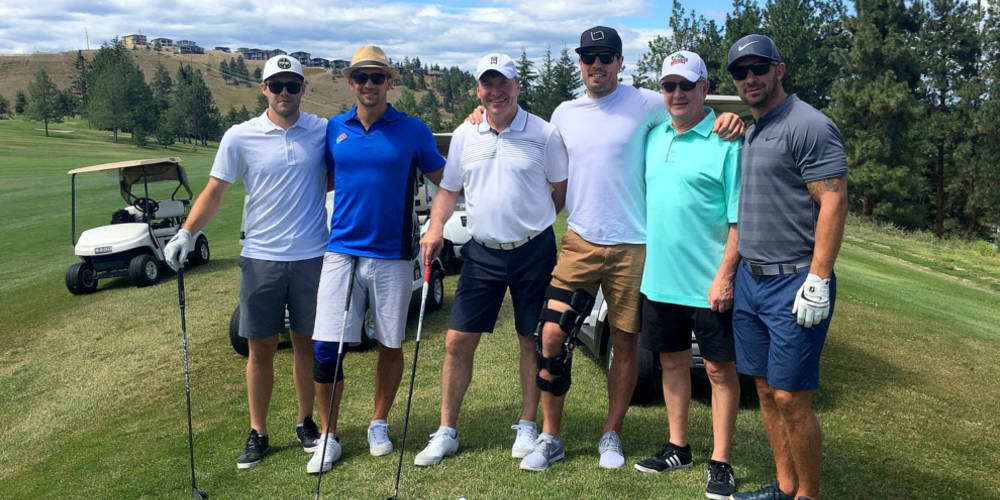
(280,156)
(604,132)
(512,168)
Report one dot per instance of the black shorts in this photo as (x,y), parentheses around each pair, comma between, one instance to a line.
(486,275)
(667,328)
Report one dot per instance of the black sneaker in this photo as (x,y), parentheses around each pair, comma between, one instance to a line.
(255,449)
(769,492)
(307,434)
(669,457)
(721,482)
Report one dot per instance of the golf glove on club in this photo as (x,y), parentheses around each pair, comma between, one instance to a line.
(178,247)
(812,301)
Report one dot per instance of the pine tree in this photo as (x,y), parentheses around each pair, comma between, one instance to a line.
(20,102)
(119,97)
(688,32)
(224,70)
(526,78)
(4,107)
(429,112)
(79,85)
(545,100)
(407,102)
(44,93)
(874,105)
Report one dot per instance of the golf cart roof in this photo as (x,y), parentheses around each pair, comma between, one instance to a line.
(131,172)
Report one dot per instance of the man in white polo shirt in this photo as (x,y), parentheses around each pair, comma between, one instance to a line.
(512,167)
(280,156)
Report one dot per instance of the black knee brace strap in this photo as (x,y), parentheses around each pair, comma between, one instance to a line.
(323,372)
(569,321)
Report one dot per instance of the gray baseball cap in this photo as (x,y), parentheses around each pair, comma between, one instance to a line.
(753,45)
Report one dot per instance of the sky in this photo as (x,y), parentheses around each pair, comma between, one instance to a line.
(446,32)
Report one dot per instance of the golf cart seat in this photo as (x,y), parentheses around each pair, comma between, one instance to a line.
(168,208)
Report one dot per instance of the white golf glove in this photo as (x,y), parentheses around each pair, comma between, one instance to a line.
(177,249)
(812,301)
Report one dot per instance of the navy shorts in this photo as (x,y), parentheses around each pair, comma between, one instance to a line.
(267,286)
(488,273)
(769,342)
(667,328)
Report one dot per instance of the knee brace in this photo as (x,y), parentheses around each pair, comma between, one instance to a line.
(325,362)
(560,365)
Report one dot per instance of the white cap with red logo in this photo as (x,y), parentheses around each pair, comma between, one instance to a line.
(685,64)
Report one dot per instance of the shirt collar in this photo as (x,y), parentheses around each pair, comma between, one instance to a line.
(268,125)
(517,124)
(391,114)
(703,128)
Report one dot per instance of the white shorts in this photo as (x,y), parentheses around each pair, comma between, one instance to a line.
(383,285)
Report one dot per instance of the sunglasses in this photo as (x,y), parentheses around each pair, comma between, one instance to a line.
(685,85)
(588,58)
(277,87)
(759,69)
(362,78)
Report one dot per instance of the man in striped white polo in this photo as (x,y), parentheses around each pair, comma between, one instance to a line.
(512,167)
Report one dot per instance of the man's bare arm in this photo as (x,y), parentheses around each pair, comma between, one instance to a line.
(720,292)
(442,207)
(831,195)
(559,195)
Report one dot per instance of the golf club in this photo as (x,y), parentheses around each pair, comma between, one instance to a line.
(195,492)
(336,369)
(413,374)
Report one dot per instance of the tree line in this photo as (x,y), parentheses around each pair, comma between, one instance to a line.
(914,87)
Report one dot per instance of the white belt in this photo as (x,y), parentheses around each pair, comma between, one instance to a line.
(509,246)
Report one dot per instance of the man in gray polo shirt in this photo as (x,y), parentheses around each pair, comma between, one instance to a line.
(511,159)
(793,204)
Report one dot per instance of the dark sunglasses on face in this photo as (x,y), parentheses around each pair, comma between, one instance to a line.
(605,57)
(277,87)
(685,85)
(759,69)
(362,78)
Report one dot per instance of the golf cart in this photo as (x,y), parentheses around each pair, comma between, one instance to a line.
(435,297)
(456,230)
(132,244)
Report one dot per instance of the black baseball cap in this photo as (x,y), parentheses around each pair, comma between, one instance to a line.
(753,45)
(600,37)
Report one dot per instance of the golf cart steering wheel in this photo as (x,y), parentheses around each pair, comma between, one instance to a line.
(146,205)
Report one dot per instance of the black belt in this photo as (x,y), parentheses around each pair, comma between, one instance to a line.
(759,269)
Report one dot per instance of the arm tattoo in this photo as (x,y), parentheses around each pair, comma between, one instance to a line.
(817,188)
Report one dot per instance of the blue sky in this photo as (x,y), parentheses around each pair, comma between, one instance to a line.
(446,32)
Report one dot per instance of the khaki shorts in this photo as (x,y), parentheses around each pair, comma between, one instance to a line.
(616,268)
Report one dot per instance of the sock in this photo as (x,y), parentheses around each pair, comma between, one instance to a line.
(451,430)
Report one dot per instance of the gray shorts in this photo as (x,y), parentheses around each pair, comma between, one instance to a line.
(382,285)
(267,286)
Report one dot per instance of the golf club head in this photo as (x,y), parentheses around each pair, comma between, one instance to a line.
(391,498)
(198,494)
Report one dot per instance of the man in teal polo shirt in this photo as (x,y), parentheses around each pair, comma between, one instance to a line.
(692,185)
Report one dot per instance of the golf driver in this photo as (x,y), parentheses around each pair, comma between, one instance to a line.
(336,368)
(195,492)
(413,374)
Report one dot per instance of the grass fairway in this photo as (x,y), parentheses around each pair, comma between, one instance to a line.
(92,394)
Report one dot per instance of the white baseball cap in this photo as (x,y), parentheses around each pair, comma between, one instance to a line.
(496,62)
(281,64)
(685,64)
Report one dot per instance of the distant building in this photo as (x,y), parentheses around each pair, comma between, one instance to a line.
(275,52)
(339,63)
(319,62)
(303,57)
(252,54)
(223,49)
(133,41)
(189,49)
(158,43)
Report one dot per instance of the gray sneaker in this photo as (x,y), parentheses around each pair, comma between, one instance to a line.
(548,450)
(610,450)
(524,443)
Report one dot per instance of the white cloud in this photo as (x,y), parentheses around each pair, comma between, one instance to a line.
(440,31)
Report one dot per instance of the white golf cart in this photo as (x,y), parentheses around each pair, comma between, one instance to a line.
(435,297)
(132,244)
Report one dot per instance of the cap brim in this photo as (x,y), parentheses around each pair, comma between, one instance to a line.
(690,76)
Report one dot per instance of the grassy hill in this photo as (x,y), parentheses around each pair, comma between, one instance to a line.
(325,96)
(92,390)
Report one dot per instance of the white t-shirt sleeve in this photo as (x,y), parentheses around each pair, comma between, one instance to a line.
(228,165)
(452,178)
(556,158)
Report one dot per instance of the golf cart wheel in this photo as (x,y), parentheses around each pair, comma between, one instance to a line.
(81,278)
(143,270)
(435,295)
(239,344)
(201,253)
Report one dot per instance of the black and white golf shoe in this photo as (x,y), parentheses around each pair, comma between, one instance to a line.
(255,450)
(669,457)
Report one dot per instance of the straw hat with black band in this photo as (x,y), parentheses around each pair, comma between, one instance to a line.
(370,56)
